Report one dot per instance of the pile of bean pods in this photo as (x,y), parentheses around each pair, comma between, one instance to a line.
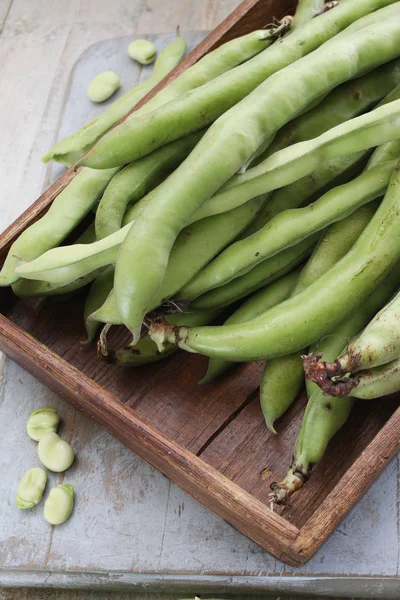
(261,188)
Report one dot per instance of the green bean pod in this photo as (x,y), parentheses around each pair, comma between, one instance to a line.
(254,306)
(138,178)
(71,148)
(67,210)
(297,161)
(325,415)
(283,377)
(306,317)
(291,226)
(305,11)
(265,273)
(145,351)
(66,264)
(195,109)
(378,382)
(98,293)
(195,246)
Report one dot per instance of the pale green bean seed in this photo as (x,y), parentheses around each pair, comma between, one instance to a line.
(103,86)
(54,453)
(31,488)
(59,504)
(143,51)
(41,422)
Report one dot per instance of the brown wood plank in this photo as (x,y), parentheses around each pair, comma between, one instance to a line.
(248,454)
(184,468)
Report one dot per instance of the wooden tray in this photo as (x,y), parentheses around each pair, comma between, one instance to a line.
(210,440)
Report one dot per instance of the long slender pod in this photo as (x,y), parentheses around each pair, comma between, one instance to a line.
(195,109)
(378,382)
(306,317)
(98,293)
(67,210)
(305,11)
(325,415)
(71,148)
(283,377)
(254,306)
(265,273)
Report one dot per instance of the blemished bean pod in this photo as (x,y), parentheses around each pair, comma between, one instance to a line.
(283,377)
(195,246)
(378,344)
(98,293)
(67,210)
(265,273)
(138,178)
(325,415)
(71,148)
(195,109)
(290,164)
(236,136)
(254,306)
(306,317)
(377,382)
(146,351)
(66,264)
(291,226)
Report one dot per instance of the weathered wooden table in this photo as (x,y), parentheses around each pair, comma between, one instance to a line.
(132,528)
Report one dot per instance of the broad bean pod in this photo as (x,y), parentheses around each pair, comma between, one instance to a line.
(325,415)
(377,382)
(195,109)
(283,377)
(98,293)
(305,11)
(235,136)
(291,226)
(71,148)
(67,210)
(265,273)
(290,164)
(136,179)
(195,246)
(254,306)
(66,264)
(378,344)
(306,317)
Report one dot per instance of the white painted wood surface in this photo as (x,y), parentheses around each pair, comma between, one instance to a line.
(131,527)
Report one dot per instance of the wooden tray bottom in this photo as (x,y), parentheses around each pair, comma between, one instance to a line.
(220,422)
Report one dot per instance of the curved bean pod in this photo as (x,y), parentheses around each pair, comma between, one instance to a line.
(236,136)
(378,382)
(138,178)
(65,264)
(291,226)
(377,345)
(195,109)
(71,148)
(306,317)
(290,164)
(266,272)
(195,246)
(254,306)
(325,415)
(67,210)
(283,377)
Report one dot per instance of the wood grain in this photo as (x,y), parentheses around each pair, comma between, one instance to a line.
(161,413)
